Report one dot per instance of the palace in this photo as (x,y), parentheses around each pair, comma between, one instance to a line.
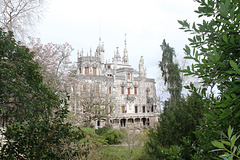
(134,93)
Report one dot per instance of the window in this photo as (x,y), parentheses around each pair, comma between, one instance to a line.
(110,90)
(143,109)
(80,70)
(122,89)
(84,88)
(136,109)
(86,70)
(98,123)
(128,76)
(123,109)
(94,71)
(129,91)
(135,90)
(147,93)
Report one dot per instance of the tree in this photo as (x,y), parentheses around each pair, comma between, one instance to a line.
(23,95)
(179,120)
(54,60)
(92,104)
(215,51)
(30,111)
(17,15)
(170,71)
(180,116)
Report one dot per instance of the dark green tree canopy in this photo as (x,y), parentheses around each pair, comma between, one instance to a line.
(22,93)
(32,114)
(214,48)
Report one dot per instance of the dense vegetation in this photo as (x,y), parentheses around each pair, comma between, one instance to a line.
(32,114)
(215,106)
(190,127)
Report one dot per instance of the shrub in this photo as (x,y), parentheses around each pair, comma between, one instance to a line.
(113,136)
(102,131)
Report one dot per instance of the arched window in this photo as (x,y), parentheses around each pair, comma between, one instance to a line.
(135,90)
(128,76)
(129,91)
(123,109)
(122,89)
(110,90)
(143,109)
(94,71)
(136,109)
(86,70)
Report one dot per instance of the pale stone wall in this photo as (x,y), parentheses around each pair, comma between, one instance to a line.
(140,109)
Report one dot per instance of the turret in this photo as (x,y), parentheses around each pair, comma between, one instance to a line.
(100,51)
(117,57)
(141,67)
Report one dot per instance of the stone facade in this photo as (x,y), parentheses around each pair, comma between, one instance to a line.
(134,93)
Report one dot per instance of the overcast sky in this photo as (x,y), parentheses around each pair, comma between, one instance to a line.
(146,23)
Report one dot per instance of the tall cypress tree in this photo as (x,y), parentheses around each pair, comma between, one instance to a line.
(170,72)
(180,116)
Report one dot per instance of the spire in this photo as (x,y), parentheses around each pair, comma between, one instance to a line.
(142,70)
(125,52)
(125,41)
(100,51)
(81,53)
(117,57)
(117,53)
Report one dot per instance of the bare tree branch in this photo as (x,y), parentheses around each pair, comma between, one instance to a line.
(17,15)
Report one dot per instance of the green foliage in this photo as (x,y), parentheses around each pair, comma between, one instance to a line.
(22,93)
(102,131)
(32,114)
(227,145)
(113,136)
(110,135)
(177,121)
(39,138)
(214,48)
(116,152)
(180,116)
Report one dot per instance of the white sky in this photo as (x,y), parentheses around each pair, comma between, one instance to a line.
(146,23)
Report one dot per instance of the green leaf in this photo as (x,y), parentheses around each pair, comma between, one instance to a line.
(218,144)
(225,38)
(187,49)
(238,151)
(233,140)
(235,66)
(226,142)
(230,132)
(237,114)
(225,113)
